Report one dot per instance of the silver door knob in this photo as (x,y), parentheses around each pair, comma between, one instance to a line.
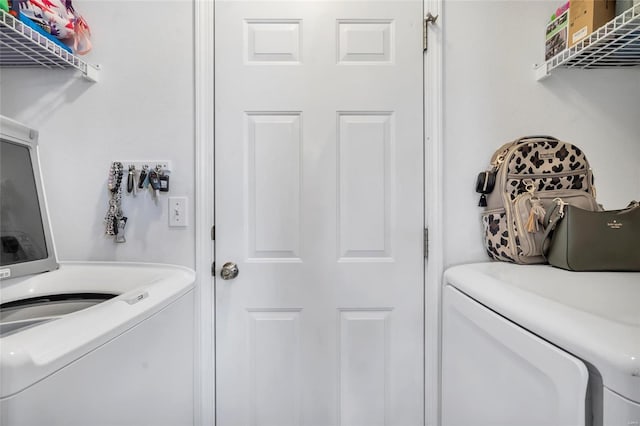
(229,271)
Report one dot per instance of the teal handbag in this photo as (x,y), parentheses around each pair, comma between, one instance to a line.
(583,240)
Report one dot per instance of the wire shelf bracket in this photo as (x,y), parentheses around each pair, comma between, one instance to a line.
(21,46)
(615,44)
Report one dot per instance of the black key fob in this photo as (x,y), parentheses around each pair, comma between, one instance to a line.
(142,178)
(164,183)
(154,181)
(131,179)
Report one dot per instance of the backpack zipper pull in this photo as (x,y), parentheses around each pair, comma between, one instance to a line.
(537,212)
(536,215)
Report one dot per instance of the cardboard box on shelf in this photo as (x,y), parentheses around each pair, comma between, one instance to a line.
(556,36)
(586,16)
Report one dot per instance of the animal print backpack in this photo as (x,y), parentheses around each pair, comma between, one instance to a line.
(525,177)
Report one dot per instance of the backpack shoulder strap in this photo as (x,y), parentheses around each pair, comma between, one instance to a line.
(551,220)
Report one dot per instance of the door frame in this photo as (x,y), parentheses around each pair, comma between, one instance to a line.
(204,126)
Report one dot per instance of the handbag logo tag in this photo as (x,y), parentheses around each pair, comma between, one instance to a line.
(547,155)
(614,224)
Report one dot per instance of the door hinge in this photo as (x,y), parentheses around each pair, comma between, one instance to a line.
(213,233)
(426,243)
(213,269)
(428,19)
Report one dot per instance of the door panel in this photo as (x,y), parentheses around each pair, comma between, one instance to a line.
(273,167)
(364,185)
(319,200)
(274,338)
(364,366)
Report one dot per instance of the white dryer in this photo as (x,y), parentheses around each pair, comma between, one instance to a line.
(539,346)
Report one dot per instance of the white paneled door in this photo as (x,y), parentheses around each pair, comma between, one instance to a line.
(319,202)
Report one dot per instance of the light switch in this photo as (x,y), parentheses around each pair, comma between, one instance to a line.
(178,211)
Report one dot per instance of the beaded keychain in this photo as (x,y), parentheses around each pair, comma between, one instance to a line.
(115,220)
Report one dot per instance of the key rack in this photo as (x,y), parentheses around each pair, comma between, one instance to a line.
(139,164)
(615,44)
(22,46)
(122,181)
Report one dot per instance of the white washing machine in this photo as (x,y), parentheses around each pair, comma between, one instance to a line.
(84,343)
(536,346)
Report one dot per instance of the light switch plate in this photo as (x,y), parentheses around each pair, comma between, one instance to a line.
(178,212)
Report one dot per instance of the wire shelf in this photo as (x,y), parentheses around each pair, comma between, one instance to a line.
(615,44)
(21,46)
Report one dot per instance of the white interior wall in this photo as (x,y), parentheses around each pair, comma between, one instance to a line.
(141,109)
(491,97)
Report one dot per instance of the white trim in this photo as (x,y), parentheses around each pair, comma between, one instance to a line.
(204,394)
(434,216)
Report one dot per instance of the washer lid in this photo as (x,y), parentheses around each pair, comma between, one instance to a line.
(26,243)
(593,315)
(34,353)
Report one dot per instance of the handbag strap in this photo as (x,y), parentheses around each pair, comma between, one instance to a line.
(551,221)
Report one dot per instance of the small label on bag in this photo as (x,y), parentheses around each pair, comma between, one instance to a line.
(614,224)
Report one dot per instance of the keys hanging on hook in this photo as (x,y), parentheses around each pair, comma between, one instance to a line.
(143,176)
(154,181)
(164,180)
